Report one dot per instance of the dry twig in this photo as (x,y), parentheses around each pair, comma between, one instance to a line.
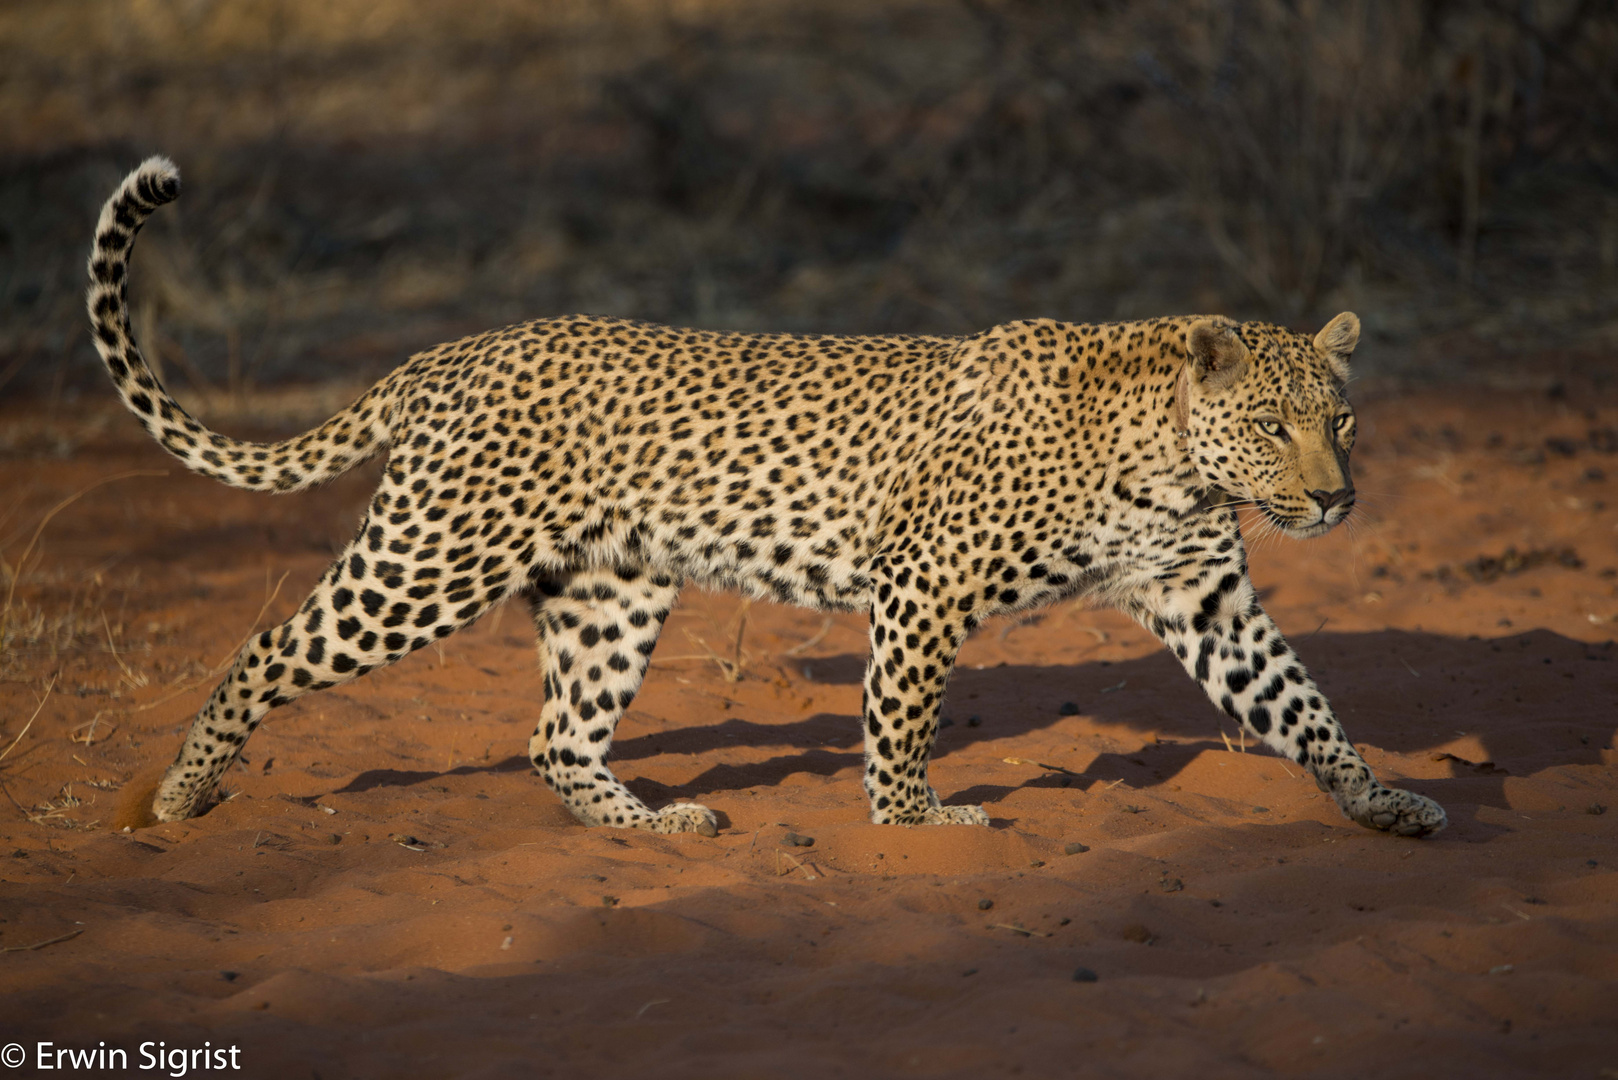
(41,944)
(1040,765)
(16,570)
(229,658)
(43,698)
(804,646)
(1023,930)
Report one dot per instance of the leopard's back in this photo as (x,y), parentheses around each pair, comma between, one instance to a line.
(752,461)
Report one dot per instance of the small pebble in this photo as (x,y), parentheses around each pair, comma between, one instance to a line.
(1171,884)
(1037,863)
(969,971)
(230,976)
(1137,932)
(974,721)
(1596,808)
(609,901)
(1085,975)
(1069,708)
(985,904)
(793,839)
(1075,848)
(1261,809)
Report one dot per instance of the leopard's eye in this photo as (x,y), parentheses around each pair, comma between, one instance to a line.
(1272,428)
(1342,421)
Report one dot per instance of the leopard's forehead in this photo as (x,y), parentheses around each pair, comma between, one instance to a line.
(1288,373)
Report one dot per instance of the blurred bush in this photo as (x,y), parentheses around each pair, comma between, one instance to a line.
(365,177)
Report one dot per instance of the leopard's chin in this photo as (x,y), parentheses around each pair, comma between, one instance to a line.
(1309,532)
(1295,530)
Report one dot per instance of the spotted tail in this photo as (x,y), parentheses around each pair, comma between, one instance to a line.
(353,435)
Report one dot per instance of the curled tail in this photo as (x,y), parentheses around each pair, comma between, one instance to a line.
(353,435)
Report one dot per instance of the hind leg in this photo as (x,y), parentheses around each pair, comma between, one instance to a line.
(388,594)
(597,629)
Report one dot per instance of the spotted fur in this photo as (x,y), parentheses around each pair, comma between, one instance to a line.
(592,466)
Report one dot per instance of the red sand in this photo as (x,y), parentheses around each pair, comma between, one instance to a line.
(1236,924)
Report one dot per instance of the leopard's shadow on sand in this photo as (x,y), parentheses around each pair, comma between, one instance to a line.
(1534,700)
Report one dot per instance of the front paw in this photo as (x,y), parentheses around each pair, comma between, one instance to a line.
(686,817)
(955,815)
(931,815)
(1403,813)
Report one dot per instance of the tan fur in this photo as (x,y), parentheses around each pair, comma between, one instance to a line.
(592,466)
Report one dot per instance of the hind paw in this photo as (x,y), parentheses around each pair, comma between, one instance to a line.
(180,797)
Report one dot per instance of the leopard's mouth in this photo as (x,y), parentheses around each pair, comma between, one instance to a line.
(1296,527)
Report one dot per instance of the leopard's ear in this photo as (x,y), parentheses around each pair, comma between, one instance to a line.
(1336,342)
(1218,358)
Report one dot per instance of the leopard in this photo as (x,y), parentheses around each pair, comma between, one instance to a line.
(593,466)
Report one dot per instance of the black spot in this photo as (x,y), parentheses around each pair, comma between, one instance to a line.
(1204,651)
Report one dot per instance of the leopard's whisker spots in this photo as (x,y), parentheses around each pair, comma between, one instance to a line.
(593,466)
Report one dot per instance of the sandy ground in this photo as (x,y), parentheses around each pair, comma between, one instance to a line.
(390,892)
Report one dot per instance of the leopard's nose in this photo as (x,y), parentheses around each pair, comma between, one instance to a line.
(1343,496)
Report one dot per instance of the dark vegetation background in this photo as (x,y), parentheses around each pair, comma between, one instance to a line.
(367,177)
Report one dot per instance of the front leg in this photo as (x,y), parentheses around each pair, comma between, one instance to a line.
(915,635)
(1210,618)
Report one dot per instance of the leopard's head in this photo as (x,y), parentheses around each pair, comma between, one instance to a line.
(1267,420)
